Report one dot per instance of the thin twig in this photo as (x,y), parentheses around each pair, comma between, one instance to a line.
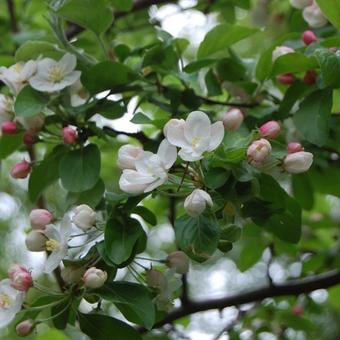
(13,19)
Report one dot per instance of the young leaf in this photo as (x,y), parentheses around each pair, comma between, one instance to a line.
(102,327)
(221,37)
(30,102)
(79,169)
(197,236)
(94,15)
(312,119)
(331,9)
(9,143)
(132,299)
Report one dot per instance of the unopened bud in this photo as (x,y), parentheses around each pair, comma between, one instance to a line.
(9,128)
(94,278)
(258,152)
(21,170)
(24,328)
(310,77)
(232,119)
(270,129)
(197,202)
(84,217)
(294,147)
(298,162)
(308,37)
(36,240)
(314,16)
(286,79)
(297,310)
(40,218)
(29,138)
(179,261)
(155,279)
(69,135)
(21,278)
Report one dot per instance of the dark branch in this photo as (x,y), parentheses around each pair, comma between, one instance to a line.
(294,287)
(138,6)
(13,19)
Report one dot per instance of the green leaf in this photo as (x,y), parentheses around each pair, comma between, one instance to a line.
(106,76)
(132,299)
(221,37)
(303,191)
(51,334)
(34,49)
(198,65)
(331,9)
(146,214)
(123,5)
(94,15)
(29,102)
(91,197)
(216,177)
(212,84)
(197,236)
(250,254)
(102,327)
(79,169)
(231,233)
(121,238)
(275,210)
(293,62)
(330,67)
(312,119)
(45,173)
(9,144)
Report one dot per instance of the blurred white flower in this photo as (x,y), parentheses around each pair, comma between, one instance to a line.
(314,16)
(52,76)
(11,300)
(279,51)
(78,93)
(300,4)
(17,75)
(194,136)
(6,108)
(151,170)
(196,202)
(57,243)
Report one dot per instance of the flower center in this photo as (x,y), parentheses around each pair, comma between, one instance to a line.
(52,245)
(5,301)
(196,140)
(17,68)
(55,74)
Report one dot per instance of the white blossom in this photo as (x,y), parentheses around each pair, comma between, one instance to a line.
(17,75)
(57,243)
(127,156)
(6,108)
(314,16)
(52,76)
(151,170)
(79,95)
(11,300)
(300,4)
(279,51)
(194,136)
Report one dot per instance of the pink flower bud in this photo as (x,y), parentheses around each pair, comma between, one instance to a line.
(69,135)
(310,77)
(24,328)
(29,138)
(258,152)
(309,37)
(286,79)
(297,310)
(155,279)
(94,278)
(179,261)
(294,147)
(21,278)
(232,119)
(9,128)
(40,218)
(270,129)
(36,240)
(298,162)
(21,170)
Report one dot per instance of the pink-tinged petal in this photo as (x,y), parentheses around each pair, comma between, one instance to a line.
(174,133)
(216,136)
(197,126)
(167,153)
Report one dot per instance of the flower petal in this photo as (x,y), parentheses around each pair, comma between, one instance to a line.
(174,133)
(68,62)
(167,153)
(155,184)
(134,182)
(189,155)
(196,126)
(216,135)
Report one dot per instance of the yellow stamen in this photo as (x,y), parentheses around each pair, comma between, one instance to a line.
(196,140)
(5,301)
(52,245)
(55,73)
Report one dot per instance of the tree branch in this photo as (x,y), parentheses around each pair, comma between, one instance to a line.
(13,19)
(138,6)
(294,287)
